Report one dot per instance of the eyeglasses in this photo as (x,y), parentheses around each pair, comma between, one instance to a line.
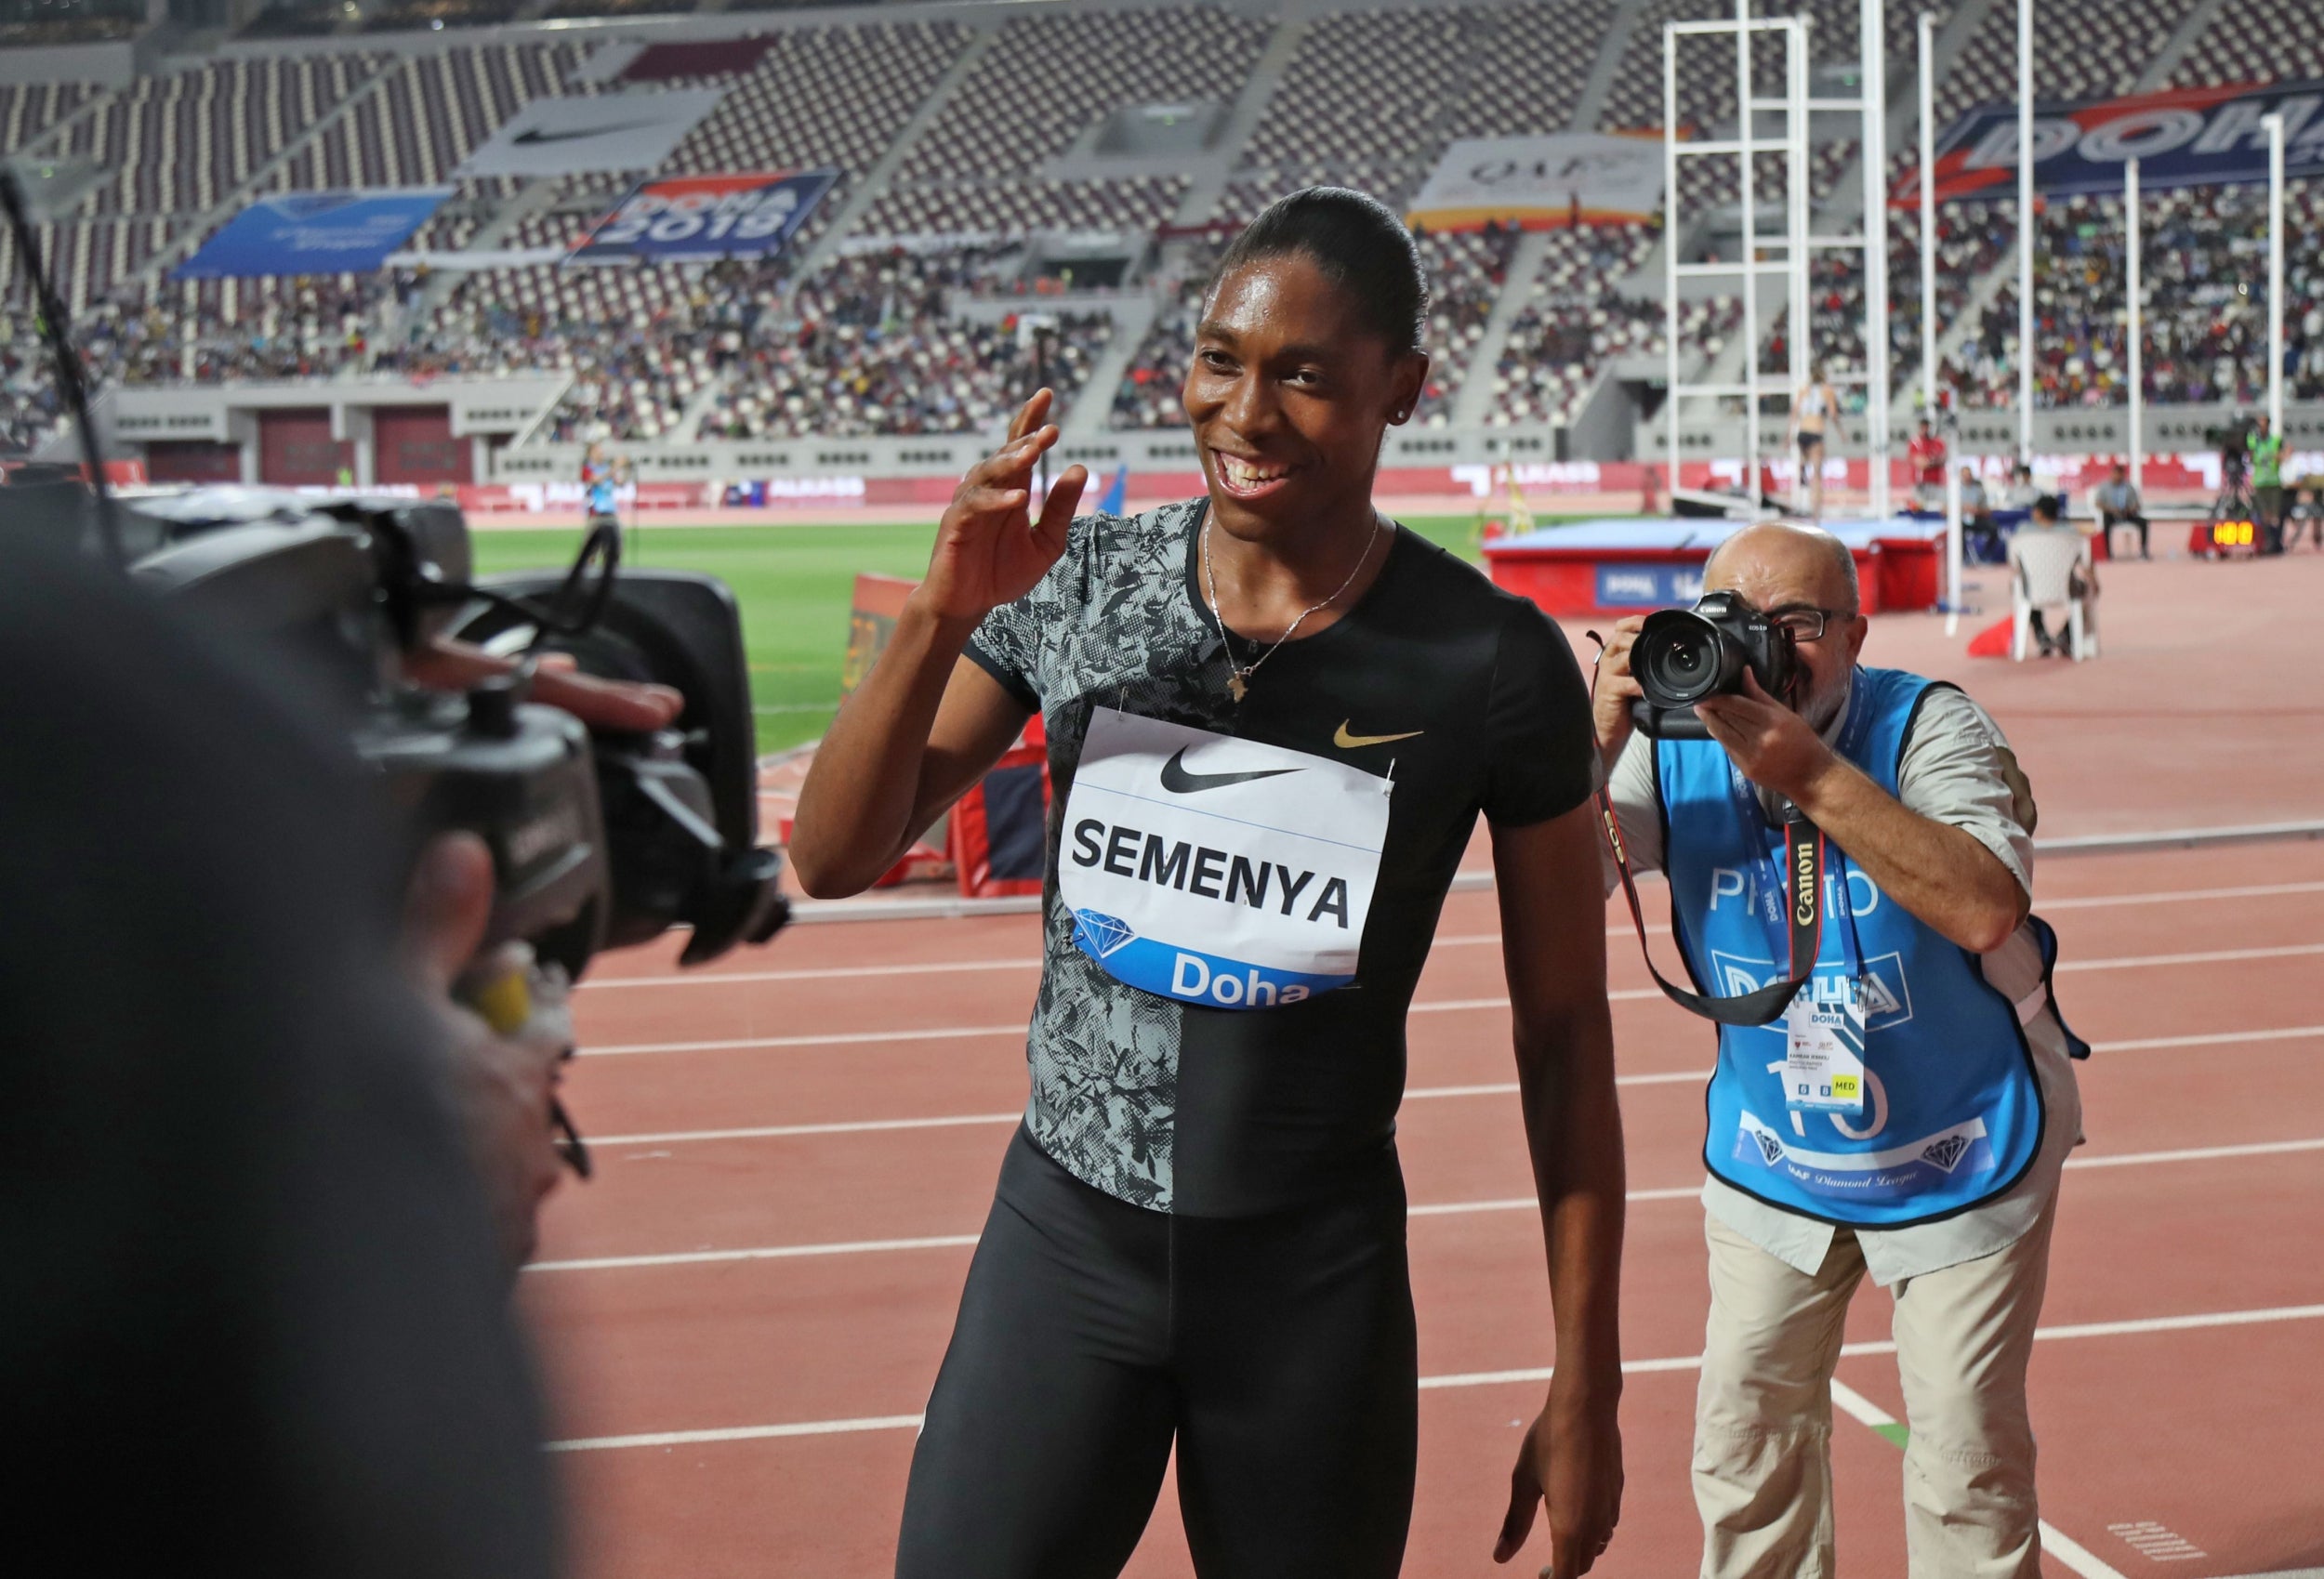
(1807,624)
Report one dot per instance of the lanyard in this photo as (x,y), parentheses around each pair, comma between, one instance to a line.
(1804,853)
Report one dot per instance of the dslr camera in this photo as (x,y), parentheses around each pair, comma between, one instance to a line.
(598,839)
(1683,655)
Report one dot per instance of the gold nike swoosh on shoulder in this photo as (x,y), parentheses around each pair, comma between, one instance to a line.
(1346,741)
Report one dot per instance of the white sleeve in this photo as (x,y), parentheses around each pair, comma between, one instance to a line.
(1958,769)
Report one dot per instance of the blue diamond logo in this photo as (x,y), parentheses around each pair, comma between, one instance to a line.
(1100,934)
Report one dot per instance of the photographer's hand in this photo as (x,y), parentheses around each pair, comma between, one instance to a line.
(502,1085)
(628,706)
(1769,743)
(1614,689)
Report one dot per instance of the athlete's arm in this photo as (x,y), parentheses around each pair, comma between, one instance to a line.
(1943,875)
(1553,949)
(925,724)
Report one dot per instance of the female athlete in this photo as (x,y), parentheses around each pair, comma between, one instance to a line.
(1814,409)
(1272,717)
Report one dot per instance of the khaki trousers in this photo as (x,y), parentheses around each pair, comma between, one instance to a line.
(1762,1417)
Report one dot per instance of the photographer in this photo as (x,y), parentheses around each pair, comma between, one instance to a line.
(1939,1178)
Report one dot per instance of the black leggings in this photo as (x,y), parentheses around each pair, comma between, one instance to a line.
(1277,1351)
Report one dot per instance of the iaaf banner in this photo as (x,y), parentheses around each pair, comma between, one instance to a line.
(701,217)
(312,232)
(2186,136)
(591,134)
(1539,183)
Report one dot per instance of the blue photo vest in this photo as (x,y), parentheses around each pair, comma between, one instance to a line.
(1952,1112)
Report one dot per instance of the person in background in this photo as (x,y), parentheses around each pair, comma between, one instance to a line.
(1926,454)
(2267,447)
(1980,536)
(2022,490)
(2043,520)
(2119,504)
(1814,409)
(600,480)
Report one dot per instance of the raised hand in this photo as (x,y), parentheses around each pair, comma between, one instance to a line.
(990,550)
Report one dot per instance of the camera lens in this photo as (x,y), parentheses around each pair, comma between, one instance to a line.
(1678,659)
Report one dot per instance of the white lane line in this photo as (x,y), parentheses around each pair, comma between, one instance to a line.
(2217,956)
(2054,1542)
(1450,940)
(1416,1094)
(1435,1209)
(1461,1379)
(951,1121)
(740,1433)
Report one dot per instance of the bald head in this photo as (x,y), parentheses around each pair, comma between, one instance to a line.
(1780,564)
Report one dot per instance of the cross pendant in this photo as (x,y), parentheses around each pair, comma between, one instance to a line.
(1236,686)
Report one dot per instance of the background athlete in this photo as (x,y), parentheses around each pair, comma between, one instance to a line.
(1814,409)
(1198,1236)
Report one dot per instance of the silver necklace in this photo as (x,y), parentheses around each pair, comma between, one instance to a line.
(1239,674)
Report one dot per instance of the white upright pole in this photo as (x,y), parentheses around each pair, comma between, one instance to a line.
(1748,142)
(2135,265)
(1670,254)
(2025,231)
(1928,313)
(1797,120)
(1928,214)
(1873,43)
(2274,125)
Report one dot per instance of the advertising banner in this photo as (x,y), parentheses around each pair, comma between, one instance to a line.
(593,134)
(312,232)
(691,217)
(2184,136)
(1539,183)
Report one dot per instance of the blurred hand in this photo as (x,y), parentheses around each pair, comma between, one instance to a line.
(1615,689)
(1572,1460)
(989,549)
(625,706)
(503,1086)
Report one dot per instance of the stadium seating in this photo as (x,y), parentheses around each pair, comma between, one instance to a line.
(2256,41)
(2206,324)
(428,114)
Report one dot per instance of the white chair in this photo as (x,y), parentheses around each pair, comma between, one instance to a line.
(2050,569)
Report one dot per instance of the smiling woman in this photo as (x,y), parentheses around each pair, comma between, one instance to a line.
(1273,718)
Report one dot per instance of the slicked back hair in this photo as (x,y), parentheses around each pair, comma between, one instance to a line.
(1359,244)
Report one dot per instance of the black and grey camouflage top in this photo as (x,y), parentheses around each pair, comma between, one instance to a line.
(1217,1112)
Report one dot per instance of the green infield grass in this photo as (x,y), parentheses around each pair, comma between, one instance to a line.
(793,583)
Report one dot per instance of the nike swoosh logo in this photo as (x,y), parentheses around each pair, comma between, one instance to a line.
(1177,781)
(1346,741)
(536,137)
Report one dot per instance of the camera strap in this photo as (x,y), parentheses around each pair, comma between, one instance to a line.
(1804,853)
(1804,883)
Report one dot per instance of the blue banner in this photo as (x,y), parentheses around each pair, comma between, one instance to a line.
(683,218)
(312,232)
(2184,136)
(1622,585)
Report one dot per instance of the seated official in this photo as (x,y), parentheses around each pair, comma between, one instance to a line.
(1981,537)
(1940,1176)
(2044,518)
(2119,504)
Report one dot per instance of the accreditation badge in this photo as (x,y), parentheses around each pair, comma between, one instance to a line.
(1823,1066)
(1217,871)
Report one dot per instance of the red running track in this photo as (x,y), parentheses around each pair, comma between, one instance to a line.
(2209,1430)
(797,1147)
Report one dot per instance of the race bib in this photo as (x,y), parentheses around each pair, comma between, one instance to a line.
(1217,871)
(1823,1066)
